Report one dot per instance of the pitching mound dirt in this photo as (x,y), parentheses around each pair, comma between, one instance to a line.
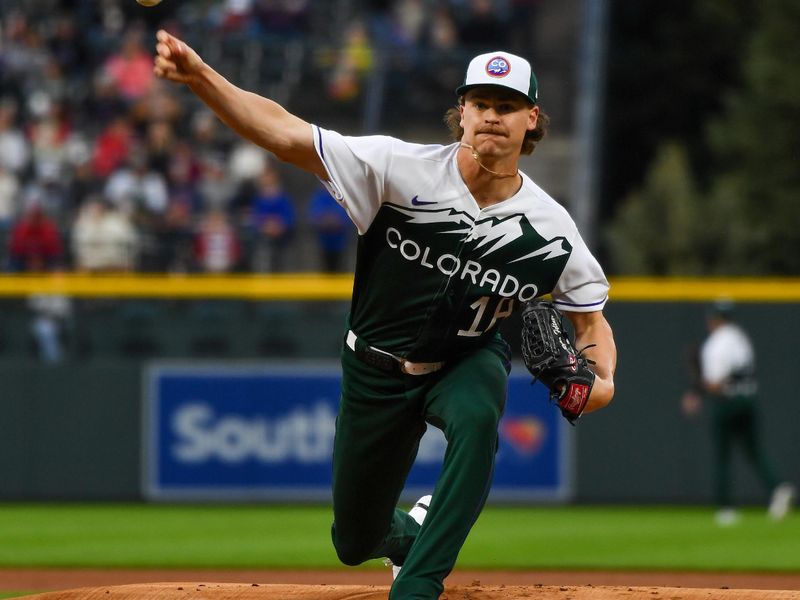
(254,591)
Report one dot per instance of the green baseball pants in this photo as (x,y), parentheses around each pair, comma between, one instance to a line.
(736,419)
(380,422)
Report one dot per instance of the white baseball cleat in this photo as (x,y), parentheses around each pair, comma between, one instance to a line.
(781,501)
(418,512)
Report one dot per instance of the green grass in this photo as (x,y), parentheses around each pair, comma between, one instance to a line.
(631,538)
(165,536)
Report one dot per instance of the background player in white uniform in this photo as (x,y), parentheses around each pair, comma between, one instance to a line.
(727,375)
(452,238)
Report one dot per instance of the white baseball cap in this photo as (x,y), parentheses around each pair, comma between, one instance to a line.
(502,69)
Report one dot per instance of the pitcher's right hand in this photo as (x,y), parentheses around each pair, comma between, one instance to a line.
(175,60)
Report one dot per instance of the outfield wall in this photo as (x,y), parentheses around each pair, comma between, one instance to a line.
(73,431)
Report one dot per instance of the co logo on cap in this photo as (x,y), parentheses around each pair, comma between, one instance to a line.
(498,67)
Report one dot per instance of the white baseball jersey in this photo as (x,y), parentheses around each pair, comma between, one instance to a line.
(435,273)
(727,358)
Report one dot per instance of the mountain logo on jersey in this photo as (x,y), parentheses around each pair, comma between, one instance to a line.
(497,256)
(490,234)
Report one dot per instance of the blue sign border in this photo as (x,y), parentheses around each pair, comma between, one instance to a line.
(560,463)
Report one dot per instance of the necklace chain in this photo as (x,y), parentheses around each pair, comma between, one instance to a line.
(477,158)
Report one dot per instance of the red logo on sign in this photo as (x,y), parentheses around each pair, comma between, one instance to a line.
(525,435)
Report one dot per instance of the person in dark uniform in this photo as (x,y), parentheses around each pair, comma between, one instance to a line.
(726,377)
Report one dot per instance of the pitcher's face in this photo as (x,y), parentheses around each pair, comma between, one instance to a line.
(495,120)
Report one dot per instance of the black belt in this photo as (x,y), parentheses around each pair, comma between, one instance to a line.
(386,361)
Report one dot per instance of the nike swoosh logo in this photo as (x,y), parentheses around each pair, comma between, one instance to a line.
(417,202)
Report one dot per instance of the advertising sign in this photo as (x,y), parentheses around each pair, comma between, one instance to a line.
(238,433)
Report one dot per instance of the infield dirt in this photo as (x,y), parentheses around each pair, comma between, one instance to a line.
(131,584)
(254,591)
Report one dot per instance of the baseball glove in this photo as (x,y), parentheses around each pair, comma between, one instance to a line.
(550,356)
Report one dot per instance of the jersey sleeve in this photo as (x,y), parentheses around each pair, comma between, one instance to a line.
(583,286)
(357,171)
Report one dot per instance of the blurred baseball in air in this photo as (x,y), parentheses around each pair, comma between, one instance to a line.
(148,2)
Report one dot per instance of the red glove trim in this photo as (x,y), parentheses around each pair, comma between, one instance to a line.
(574,398)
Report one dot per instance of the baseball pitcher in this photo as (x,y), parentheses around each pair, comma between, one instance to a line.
(452,240)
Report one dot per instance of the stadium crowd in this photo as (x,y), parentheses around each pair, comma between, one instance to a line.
(105,168)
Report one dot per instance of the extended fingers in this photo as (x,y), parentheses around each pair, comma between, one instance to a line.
(168,45)
(162,36)
(164,64)
(172,58)
(163,50)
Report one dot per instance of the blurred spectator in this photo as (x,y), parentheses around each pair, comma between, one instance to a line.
(9,209)
(158,104)
(77,95)
(14,147)
(48,136)
(443,68)
(159,142)
(35,244)
(68,47)
(175,233)
(216,188)
(184,203)
(24,52)
(9,199)
(112,146)
(235,15)
(354,62)
(207,135)
(51,195)
(137,189)
(245,164)
(183,169)
(442,32)
(217,248)
(141,194)
(131,68)
(332,227)
(104,104)
(103,239)
(273,221)
(411,17)
(81,184)
(109,22)
(52,82)
(246,161)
